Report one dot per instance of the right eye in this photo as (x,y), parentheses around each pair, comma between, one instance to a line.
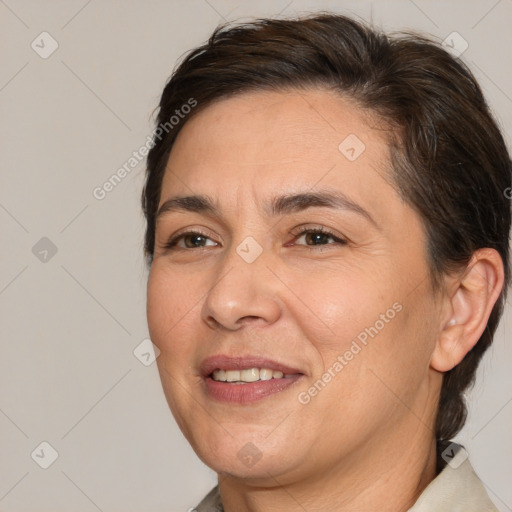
(190,239)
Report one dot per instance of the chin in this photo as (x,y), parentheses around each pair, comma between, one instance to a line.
(262,472)
(243,456)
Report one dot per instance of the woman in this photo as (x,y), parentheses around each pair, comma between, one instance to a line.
(327,235)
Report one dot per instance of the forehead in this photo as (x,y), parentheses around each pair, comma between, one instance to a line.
(257,142)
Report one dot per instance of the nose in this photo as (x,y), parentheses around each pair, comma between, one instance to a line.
(244,293)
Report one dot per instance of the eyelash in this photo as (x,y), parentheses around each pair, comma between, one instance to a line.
(171,244)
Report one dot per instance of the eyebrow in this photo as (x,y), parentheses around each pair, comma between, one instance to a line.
(279,205)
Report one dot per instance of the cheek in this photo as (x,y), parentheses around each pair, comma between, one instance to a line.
(337,305)
(170,312)
(361,329)
(170,305)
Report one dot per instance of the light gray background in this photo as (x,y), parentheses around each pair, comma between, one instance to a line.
(69,325)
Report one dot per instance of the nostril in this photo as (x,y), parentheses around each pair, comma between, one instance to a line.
(250,318)
(211,322)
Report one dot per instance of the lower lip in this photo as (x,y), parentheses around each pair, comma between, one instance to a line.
(249,392)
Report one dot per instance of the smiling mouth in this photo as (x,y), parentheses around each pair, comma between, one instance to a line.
(245,380)
(238,391)
(249,375)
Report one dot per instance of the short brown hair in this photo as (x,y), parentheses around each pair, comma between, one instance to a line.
(449,160)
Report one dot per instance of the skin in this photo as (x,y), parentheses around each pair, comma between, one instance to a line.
(366,440)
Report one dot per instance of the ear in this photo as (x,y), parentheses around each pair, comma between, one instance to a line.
(468,306)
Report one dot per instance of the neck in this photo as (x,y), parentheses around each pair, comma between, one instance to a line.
(379,477)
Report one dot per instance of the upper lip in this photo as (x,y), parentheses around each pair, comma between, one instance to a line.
(225,362)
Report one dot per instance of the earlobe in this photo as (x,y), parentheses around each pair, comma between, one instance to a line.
(469,305)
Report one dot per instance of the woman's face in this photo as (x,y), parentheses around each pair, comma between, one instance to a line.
(323,340)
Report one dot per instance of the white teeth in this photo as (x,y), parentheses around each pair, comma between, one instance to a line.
(248,375)
(265,374)
(219,375)
(232,375)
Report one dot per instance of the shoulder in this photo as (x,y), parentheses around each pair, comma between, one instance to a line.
(456,489)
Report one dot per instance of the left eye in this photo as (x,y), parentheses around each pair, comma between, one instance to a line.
(314,237)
